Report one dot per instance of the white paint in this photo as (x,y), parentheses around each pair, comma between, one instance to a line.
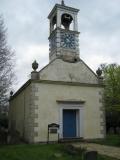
(59,70)
(79,115)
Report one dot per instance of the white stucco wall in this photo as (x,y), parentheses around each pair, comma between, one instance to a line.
(49,110)
(16,119)
(58,70)
(19,113)
(35,106)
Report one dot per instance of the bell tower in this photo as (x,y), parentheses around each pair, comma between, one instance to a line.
(64,35)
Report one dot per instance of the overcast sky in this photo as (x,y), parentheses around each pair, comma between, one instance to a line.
(28,31)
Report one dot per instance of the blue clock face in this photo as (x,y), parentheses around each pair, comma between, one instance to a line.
(68,41)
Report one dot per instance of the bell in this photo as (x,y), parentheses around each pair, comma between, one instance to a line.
(66,20)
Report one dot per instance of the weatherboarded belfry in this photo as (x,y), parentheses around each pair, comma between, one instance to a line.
(64,99)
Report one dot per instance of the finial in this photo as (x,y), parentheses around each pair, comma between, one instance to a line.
(35,65)
(99,72)
(11,93)
(62,3)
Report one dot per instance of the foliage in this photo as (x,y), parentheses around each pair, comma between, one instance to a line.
(3,128)
(37,152)
(6,65)
(3,121)
(110,140)
(111,74)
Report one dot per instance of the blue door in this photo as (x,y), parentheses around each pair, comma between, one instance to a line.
(69,123)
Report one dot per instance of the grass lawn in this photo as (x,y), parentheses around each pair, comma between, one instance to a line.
(110,140)
(39,152)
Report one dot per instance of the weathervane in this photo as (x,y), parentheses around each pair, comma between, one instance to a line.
(62,2)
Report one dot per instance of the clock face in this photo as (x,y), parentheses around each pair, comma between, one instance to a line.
(68,41)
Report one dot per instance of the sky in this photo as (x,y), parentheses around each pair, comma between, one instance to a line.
(28,31)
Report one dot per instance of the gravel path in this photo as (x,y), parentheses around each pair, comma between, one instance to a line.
(101,149)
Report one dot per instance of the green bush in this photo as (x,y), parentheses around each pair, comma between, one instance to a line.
(3,121)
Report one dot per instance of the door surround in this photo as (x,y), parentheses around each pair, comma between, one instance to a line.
(79,115)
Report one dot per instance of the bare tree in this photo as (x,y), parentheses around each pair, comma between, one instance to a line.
(6,65)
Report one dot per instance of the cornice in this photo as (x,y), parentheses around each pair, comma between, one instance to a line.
(62,7)
(68,83)
(55,83)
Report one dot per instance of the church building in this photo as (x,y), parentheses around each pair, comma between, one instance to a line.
(64,99)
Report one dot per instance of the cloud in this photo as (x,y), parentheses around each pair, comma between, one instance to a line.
(100,16)
(28,31)
(26,56)
(96,49)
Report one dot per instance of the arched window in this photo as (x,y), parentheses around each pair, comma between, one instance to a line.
(54,21)
(67,21)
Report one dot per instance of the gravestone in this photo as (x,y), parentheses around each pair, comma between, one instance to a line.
(91,155)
